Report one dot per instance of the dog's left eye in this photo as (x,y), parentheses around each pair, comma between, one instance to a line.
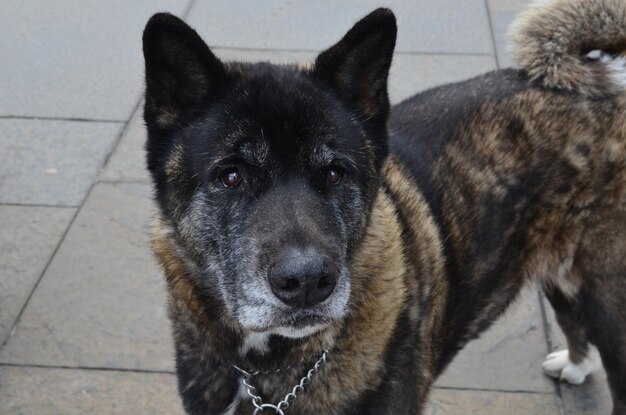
(333,175)
(230,178)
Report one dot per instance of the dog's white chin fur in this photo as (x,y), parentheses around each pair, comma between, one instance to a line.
(558,365)
(297,333)
(257,341)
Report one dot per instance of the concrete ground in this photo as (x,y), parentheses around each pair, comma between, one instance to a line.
(83,328)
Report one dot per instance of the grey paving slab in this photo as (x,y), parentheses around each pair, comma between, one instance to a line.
(502,14)
(463,402)
(101,303)
(412,73)
(36,391)
(409,73)
(74,58)
(28,238)
(127,163)
(593,396)
(51,162)
(424,25)
(508,356)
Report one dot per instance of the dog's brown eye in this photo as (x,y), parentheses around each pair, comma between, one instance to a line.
(333,176)
(230,178)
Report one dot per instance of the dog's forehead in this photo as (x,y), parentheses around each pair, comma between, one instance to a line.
(262,148)
(260,123)
(281,95)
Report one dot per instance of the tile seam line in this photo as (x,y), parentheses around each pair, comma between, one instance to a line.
(492,34)
(397,52)
(167,372)
(87,368)
(517,391)
(79,208)
(37,205)
(118,139)
(67,119)
(188,9)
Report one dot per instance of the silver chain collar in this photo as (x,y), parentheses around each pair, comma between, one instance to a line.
(281,406)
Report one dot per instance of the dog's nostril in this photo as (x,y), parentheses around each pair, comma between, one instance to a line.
(324,282)
(292,285)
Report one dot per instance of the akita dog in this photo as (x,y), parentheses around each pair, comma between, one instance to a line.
(328,254)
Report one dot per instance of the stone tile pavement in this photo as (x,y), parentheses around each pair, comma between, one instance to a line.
(83,327)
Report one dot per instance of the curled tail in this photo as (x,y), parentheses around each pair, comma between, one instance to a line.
(577,45)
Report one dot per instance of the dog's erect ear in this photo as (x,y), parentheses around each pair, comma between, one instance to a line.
(357,66)
(181,71)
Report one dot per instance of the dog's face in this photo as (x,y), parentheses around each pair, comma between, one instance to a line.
(267,173)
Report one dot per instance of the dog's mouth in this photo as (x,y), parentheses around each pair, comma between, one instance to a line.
(302,320)
(290,322)
(294,323)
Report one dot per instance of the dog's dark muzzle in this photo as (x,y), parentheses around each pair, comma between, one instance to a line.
(302,278)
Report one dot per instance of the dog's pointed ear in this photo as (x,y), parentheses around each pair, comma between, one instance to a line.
(357,67)
(181,70)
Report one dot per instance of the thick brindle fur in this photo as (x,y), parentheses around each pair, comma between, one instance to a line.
(481,188)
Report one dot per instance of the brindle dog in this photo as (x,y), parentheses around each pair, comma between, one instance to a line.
(298,212)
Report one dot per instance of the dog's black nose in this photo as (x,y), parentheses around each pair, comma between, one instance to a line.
(302,278)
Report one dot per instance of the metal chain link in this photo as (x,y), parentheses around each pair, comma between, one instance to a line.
(281,406)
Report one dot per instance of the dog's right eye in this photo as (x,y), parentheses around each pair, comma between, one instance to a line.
(333,175)
(230,178)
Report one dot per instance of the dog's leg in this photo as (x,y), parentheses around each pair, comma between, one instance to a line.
(580,358)
(597,314)
(607,329)
(606,321)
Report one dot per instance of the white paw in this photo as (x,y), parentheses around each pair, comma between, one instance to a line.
(558,365)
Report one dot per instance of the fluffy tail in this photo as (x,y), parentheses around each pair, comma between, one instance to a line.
(576,45)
